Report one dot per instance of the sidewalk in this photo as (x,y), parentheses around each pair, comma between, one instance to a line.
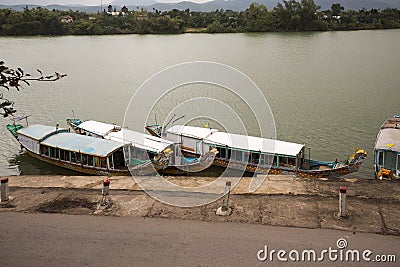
(373,206)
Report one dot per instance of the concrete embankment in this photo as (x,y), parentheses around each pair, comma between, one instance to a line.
(372,206)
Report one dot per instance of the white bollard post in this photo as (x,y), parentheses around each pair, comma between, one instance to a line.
(4,189)
(224,210)
(105,201)
(106,187)
(342,202)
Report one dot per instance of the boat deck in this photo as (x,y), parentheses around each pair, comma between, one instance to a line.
(393,122)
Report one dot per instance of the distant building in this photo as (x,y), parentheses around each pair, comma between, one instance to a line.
(116,13)
(141,15)
(67,19)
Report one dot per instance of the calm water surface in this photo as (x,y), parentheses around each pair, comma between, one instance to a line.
(329,90)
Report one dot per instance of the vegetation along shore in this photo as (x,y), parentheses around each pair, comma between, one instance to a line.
(288,16)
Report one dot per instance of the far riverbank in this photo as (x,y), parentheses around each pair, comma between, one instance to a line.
(296,17)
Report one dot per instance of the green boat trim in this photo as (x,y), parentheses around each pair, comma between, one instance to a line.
(13,128)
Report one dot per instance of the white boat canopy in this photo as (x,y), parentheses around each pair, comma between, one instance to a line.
(115,133)
(140,140)
(388,139)
(96,127)
(39,132)
(82,144)
(191,131)
(256,144)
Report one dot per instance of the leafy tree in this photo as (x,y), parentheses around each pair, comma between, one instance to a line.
(297,16)
(13,78)
(308,15)
(257,18)
(337,9)
(124,9)
(287,15)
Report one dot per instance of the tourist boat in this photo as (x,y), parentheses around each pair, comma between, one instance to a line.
(80,153)
(85,153)
(387,150)
(146,146)
(257,155)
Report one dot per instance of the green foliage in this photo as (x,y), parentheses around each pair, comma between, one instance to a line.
(13,79)
(257,18)
(288,15)
(336,9)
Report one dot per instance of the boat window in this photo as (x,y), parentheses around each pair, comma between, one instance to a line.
(62,155)
(236,155)
(151,155)
(284,161)
(221,152)
(141,154)
(84,159)
(103,162)
(45,150)
(96,161)
(380,157)
(90,160)
(52,152)
(292,161)
(73,157)
(267,159)
(262,159)
(111,162)
(398,162)
(276,161)
(119,161)
(246,157)
(127,153)
(255,158)
(78,158)
(390,160)
(138,153)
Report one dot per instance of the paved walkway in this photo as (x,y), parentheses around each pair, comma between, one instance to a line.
(273,184)
(373,206)
(28,239)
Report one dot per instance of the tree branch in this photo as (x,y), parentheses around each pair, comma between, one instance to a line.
(12,78)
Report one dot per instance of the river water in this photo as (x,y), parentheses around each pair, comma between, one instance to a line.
(329,90)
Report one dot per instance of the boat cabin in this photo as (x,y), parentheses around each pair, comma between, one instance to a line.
(189,137)
(30,137)
(73,149)
(239,148)
(142,146)
(387,149)
(255,150)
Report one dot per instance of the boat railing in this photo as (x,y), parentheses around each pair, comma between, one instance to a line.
(75,163)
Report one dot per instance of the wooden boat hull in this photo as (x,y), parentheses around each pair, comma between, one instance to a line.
(78,167)
(353,166)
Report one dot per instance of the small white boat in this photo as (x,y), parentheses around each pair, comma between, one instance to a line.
(387,150)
